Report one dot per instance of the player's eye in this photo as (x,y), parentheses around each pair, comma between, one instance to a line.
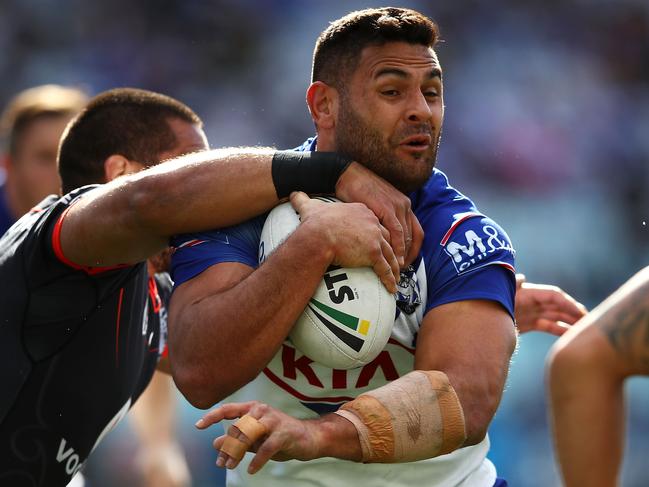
(390,93)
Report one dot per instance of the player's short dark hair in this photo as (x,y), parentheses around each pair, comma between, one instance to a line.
(38,103)
(125,121)
(338,48)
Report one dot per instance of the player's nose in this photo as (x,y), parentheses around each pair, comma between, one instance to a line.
(418,108)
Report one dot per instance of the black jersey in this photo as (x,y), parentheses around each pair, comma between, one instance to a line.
(77,347)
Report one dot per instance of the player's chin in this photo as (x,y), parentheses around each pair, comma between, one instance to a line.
(413,174)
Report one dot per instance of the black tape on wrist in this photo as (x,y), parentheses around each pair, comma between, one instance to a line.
(311,172)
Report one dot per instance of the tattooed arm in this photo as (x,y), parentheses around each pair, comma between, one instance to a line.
(587,368)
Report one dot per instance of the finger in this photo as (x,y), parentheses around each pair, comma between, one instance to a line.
(225,411)
(391,260)
(232,447)
(265,452)
(553,315)
(569,306)
(218,441)
(299,200)
(403,215)
(556,328)
(397,235)
(222,457)
(385,233)
(417,238)
(250,427)
(520,279)
(384,270)
(235,449)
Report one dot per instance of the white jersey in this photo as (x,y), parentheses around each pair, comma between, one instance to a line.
(299,387)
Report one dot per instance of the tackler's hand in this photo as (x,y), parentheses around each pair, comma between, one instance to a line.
(391,207)
(545,308)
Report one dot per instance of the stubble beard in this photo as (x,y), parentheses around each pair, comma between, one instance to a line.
(364,143)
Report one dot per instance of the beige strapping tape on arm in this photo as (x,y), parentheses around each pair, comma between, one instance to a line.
(415,417)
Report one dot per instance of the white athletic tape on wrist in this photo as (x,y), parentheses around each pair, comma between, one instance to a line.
(415,417)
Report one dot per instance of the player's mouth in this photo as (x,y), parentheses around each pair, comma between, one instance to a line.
(416,143)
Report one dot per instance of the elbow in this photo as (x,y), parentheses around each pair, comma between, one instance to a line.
(204,389)
(476,423)
(201,390)
(479,410)
(581,351)
(570,360)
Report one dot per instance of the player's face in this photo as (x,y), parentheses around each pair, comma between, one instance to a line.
(33,166)
(391,113)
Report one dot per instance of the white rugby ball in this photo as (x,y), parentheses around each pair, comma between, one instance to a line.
(349,319)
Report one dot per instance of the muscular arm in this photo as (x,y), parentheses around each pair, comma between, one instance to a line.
(472,343)
(469,341)
(133,216)
(227,323)
(587,368)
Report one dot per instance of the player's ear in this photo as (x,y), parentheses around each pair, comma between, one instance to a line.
(323,100)
(115,166)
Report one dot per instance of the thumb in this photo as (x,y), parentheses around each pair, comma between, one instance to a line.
(299,200)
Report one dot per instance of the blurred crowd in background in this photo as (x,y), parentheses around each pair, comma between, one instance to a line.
(547,128)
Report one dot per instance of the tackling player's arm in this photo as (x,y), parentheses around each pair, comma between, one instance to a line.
(587,369)
(133,216)
(226,323)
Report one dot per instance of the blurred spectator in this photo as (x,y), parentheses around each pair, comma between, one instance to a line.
(31,127)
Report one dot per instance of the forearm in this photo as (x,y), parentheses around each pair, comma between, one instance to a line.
(383,419)
(336,437)
(246,323)
(472,343)
(139,212)
(375,427)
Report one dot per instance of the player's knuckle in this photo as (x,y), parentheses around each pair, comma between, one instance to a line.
(261,407)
